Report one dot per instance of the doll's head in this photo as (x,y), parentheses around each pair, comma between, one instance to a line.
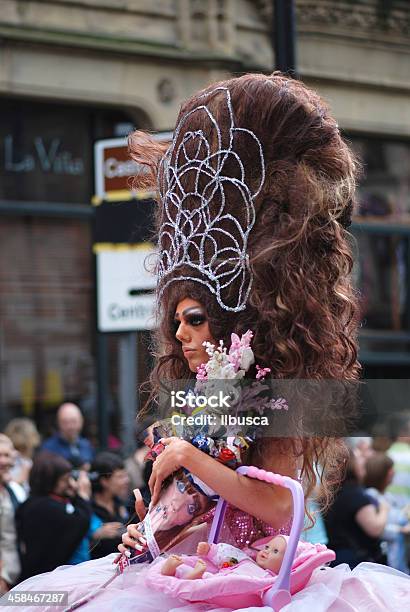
(271,556)
(180,502)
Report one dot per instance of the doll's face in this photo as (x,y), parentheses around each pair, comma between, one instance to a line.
(192,330)
(271,556)
(178,505)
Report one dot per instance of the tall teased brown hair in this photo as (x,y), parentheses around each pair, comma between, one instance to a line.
(302,307)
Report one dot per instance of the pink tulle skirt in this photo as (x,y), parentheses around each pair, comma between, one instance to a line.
(369,587)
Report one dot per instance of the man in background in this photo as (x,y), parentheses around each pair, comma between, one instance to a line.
(68,442)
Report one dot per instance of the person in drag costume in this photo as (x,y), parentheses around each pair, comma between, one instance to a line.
(255,195)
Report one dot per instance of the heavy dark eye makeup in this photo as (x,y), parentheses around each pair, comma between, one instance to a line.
(191,316)
(195,318)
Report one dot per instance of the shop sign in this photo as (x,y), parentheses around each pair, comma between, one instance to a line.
(114,170)
(125,289)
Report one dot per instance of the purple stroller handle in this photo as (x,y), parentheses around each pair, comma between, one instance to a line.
(278,595)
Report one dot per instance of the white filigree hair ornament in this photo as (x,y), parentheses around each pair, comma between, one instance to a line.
(199,236)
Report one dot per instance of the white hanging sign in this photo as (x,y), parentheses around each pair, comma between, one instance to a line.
(125,289)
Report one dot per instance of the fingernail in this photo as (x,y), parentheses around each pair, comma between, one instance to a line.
(143,540)
(138,547)
(127,553)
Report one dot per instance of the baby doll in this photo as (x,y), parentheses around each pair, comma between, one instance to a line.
(227,558)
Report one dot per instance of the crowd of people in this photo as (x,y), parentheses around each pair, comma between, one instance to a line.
(369,518)
(61,503)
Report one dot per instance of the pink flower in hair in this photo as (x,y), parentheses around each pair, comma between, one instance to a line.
(261,372)
(227,365)
(201,373)
(278,404)
(240,354)
(246,338)
(234,354)
(234,357)
(235,342)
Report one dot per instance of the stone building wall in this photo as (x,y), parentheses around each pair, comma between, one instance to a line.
(148,55)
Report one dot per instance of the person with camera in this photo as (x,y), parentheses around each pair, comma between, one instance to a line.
(110,488)
(57,511)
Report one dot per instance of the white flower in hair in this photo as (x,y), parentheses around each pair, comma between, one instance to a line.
(228,365)
(247,358)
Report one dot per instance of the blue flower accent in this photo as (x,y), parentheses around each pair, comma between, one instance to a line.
(201,442)
(181,486)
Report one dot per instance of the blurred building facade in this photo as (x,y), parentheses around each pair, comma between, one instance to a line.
(75,71)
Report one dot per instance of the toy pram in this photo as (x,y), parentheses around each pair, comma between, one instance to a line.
(236,591)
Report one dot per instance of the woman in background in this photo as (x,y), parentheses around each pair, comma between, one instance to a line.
(53,520)
(25,437)
(379,474)
(355,521)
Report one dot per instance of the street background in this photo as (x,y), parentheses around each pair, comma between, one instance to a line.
(73,72)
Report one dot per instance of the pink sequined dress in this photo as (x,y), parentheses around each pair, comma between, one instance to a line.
(369,587)
(241,529)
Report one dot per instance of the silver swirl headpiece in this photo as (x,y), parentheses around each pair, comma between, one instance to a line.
(200,175)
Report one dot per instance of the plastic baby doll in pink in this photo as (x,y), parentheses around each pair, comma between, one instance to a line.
(227,558)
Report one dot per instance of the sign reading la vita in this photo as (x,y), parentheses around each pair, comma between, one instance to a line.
(49,156)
